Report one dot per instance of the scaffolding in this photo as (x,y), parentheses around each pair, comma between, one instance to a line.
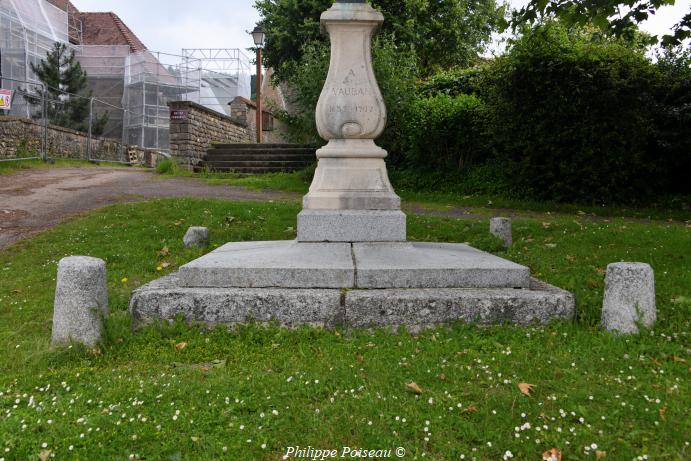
(133,89)
(28,31)
(211,78)
(225,74)
(105,69)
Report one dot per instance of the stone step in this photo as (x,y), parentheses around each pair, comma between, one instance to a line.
(256,163)
(255,169)
(225,157)
(262,146)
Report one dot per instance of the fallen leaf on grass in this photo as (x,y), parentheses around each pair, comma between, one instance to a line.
(442,377)
(663,411)
(163,251)
(181,346)
(44,455)
(600,454)
(678,359)
(526,388)
(470,409)
(551,455)
(413,387)
(165,265)
(360,358)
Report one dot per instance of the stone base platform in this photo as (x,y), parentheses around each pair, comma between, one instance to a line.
(351,285)
(165,299)
(292,264)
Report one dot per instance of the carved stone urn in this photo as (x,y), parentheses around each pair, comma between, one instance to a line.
(351,198)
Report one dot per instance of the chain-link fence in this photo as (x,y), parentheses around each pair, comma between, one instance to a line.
(45,123)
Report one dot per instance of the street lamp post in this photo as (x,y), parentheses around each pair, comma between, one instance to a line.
(258,37)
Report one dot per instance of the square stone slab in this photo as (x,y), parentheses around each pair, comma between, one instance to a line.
(434,265)
(417,308)
(351,226)
(285,264)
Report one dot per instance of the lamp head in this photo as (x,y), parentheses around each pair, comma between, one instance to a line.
(258,36)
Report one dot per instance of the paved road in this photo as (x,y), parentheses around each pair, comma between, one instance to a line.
(36,199)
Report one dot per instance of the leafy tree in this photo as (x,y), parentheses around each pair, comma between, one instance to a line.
(442,33)
(65,91)
(607,15)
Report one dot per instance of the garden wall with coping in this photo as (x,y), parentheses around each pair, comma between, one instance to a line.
(193,128)
(21,137)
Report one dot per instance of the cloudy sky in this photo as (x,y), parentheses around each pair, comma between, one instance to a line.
(170,25)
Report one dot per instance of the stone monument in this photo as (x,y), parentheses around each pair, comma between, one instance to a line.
(351,198)
(351,264)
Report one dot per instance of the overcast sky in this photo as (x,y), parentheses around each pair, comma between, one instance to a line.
(170,25)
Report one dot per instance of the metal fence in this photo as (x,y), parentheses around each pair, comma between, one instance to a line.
(99,122)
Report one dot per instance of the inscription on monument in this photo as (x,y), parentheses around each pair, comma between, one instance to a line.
(347,108)
(351,91)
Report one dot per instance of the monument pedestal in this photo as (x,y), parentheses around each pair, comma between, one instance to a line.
(351,198)
(351,265)
(351,226)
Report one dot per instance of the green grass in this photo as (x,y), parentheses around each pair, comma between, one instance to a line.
(288,182)
(674,208)
(248,394)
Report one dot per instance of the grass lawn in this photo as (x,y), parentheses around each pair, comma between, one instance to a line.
(249,394)
(676,209)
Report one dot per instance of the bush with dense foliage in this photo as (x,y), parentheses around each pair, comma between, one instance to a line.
(578,119)
(444,133)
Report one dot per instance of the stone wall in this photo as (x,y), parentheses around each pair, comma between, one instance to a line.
(194,127)
(245,111)
(20,137)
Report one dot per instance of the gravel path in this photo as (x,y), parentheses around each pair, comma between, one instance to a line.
(37,199)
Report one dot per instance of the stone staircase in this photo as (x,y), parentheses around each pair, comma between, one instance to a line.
(259,158)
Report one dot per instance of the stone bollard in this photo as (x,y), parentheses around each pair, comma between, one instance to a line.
(81,301)
(501,228)
(629,297)
(196,236)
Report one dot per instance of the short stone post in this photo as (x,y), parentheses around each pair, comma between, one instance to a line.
(501,228)
(81,301)
(196,236)
(629,297)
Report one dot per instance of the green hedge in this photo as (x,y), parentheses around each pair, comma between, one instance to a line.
(573,118)
(444,133)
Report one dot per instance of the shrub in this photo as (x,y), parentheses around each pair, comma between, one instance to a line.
(444,133)
(574,118)
(489,178)
(166,166)
(453,82)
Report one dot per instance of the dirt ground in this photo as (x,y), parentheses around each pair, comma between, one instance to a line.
(37,199)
